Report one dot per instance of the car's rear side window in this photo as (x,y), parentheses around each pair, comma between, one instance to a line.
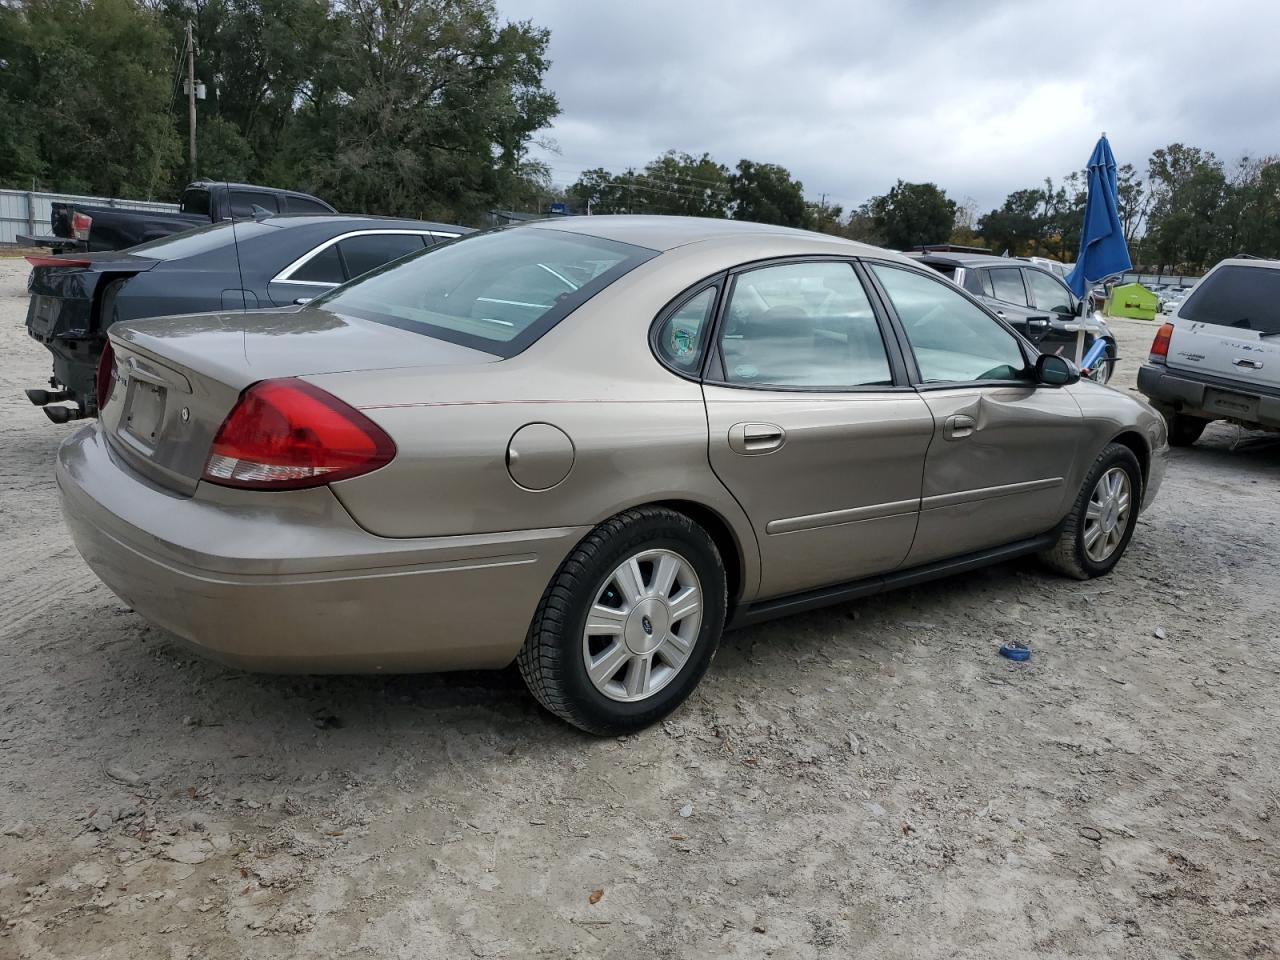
(802,325)
(306,205)
(496,291)
(1244,297)
(680,339)
(1006,282)
(243,203)
(370,251)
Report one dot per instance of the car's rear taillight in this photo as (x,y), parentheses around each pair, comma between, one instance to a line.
(1160,345)
(80,224)
(44,260)
(106,376)
(286,434)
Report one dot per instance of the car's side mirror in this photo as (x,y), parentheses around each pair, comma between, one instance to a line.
(1055,371)
(1083,307)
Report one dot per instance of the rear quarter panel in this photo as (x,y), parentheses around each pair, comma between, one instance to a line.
(639,432)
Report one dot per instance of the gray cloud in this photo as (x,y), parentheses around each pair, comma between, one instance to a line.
(980,98)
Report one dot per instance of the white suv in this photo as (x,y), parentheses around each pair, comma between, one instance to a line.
(1218,357)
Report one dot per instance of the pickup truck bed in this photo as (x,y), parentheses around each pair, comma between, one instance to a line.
(91,228)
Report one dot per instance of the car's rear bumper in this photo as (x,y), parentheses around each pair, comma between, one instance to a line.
(289,582)
(1210,399)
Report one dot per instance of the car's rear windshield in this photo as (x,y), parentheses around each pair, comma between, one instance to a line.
(497,292)
(1244,297)
(195,200)
(203,239)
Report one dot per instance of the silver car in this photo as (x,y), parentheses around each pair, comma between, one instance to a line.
(587,445)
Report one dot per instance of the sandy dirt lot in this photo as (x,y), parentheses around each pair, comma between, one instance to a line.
(870,780)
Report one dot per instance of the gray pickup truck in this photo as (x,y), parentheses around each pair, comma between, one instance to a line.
(82,228)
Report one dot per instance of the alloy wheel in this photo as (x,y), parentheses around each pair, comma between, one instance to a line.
(1107,515)
(642,626)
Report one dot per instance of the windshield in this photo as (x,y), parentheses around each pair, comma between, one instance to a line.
(1244,297)
(199,240)
(496,292)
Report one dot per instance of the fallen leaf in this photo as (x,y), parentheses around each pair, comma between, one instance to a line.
(595,896)
(678,836)
(244,873)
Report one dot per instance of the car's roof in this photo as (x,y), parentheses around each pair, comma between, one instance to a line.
(233,185)
(667,233)
(972,259)
(357,222)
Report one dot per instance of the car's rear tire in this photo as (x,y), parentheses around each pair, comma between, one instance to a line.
(1097,531)
(614,646)
(1184,430)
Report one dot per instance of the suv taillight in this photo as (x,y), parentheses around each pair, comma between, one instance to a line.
(106,376)
(287,434)
(80,224)
(1160,345)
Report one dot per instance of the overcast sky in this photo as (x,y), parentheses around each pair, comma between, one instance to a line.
(982,97)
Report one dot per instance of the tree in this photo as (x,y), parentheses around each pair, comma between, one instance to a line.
(766,193)
(86,87)
(1133,201)
(1017,225)
(825,217)
(1190,190)
(911,214)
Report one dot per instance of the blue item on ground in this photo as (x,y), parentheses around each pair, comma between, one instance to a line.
(1015,650)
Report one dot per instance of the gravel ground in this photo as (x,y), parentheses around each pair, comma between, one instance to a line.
(870,779)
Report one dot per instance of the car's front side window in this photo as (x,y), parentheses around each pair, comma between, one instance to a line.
(953,340)
(1047,293)
(802,325)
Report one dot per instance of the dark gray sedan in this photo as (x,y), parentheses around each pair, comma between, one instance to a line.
(240,265)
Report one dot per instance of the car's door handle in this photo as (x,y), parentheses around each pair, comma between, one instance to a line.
(1251,364)
(750,439)
(958,426)
(1000,314)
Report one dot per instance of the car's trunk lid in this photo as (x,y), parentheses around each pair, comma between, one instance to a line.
(1229,327)
(177,378)
(64,290)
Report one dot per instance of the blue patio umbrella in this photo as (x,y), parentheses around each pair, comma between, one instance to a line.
(1103,251)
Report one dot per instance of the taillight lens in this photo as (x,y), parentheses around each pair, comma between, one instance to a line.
(44,260)
(1160,345)
(106,376)
(286,434)
(80,224)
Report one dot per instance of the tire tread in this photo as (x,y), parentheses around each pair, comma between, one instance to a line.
(541,658)
(1066,556)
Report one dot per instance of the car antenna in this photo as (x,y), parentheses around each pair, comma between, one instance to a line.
(235,241)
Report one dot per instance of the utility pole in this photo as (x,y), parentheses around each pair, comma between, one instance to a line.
(191,97)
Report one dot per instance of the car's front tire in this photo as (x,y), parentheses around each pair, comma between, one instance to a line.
(628,624)
(1101,522)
